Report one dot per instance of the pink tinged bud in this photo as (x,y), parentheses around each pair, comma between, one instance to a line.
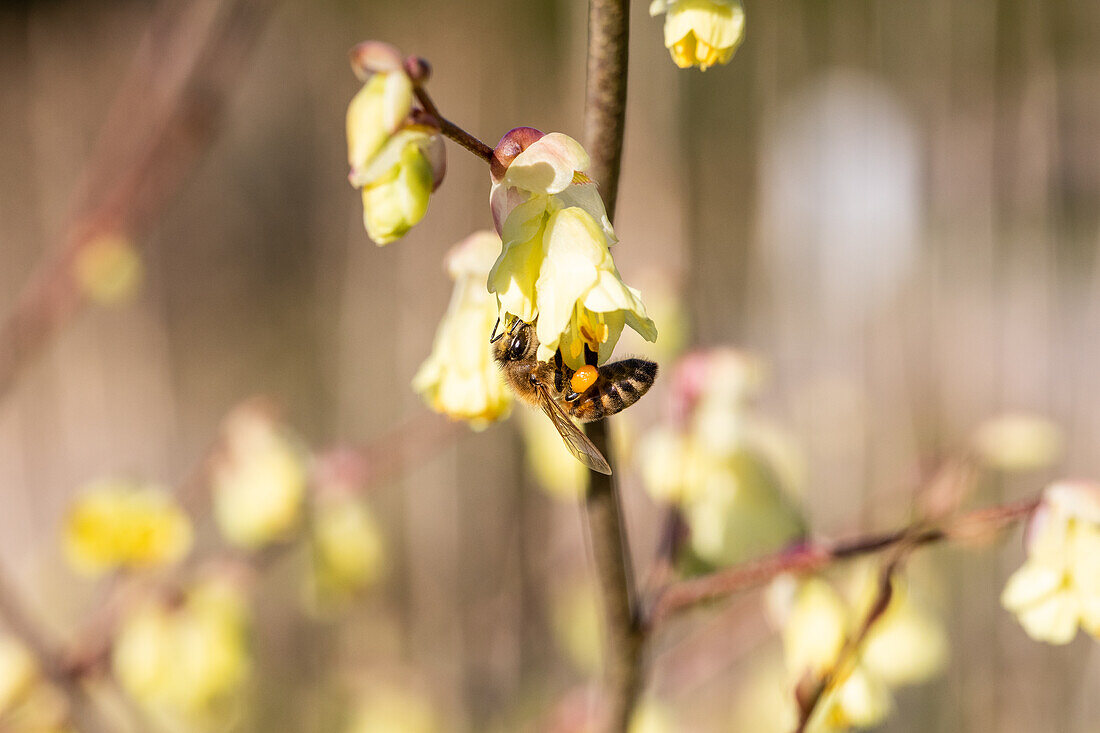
(514,142)
(418,69)
(371,57)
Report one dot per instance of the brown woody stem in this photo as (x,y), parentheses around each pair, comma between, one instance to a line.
(811,557)
(452,130)
(605,114)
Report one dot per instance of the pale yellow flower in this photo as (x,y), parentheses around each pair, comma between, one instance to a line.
(906,645)
(387,708)
(108,269)
(577,621)
(376,112)
(555,266)
(119,524)
(408,169)
(1058,587)
(652,716)
(728,471)
(18,673)
(460,378)
(396,162)
(189,660)
(1018,442)
(349,553)
(701,32)
(259,480)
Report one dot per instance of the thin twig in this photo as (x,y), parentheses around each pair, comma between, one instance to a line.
(849,653)
(975,525)
(604,121)
(165,114)
(19,621)
(452,130)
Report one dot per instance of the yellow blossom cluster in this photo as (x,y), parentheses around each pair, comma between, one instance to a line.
(115,524)
(396,160)
(27,703)
(259,479)
(348,551)
(906,645)
(731,473)
(1058,587)
(186,660)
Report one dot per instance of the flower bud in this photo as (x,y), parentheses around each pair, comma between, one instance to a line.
(373,57)
(514,142)
(418,69)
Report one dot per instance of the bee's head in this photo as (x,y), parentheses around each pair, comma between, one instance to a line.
(515,342)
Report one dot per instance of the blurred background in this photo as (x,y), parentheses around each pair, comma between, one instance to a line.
(893,207)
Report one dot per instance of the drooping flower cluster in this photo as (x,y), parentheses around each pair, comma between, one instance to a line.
(185,661)
(459,378)
(730,472)
(701,32)
(395,152)
(259,478)
(116,524)
(555,266)
(906,645)
(1058,587)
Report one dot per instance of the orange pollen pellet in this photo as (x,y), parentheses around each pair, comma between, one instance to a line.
(583,378)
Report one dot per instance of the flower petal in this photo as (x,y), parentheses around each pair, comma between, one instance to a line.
(547,165)
(575,247)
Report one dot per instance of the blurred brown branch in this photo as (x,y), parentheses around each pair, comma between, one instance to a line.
(165,115)
(46,650)
(810,557)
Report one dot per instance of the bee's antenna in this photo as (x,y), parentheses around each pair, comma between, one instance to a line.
(494,337)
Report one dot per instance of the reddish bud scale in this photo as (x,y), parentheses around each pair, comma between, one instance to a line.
(514,142)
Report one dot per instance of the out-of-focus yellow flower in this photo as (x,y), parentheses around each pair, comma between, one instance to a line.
(906,645)
(259,479)
(1018,442)
(1058,587)
(386,708)
(720,464)
(115,524)
(186,661)
(396,158)
(578,625)
(652,716)
(549,460)
(108,269)
(701,32)
(348,549)
(555,265)
(460,378)
(18,673)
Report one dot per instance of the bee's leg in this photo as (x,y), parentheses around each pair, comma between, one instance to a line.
(571,396)
(493,338)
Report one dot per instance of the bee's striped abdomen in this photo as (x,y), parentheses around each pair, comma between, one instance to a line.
(620,385)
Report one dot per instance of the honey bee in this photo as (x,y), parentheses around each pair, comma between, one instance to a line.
(586,394)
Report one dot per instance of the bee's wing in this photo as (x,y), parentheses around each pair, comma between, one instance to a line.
(576,441)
